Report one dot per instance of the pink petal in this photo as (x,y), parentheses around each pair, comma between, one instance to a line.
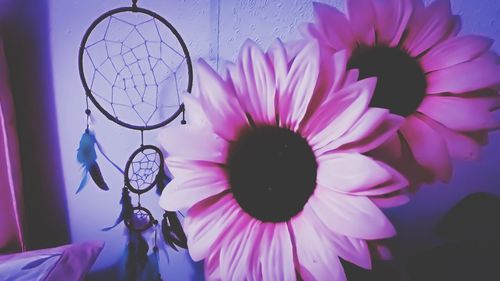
(299,87)
(278,56)
(350,173)
(334,25)
(311,31)
(396,183)
(380,248)
(239,254)
(317,257)
(337,72)
(254,83)
(374,128)
(276,254)
(189,188)
(483,72)
(195,115)
(184,141)
(459,145)
(294,47)
(353,216)
(390,150)
(351,77)
(454,51)
(362,16)
(429,26)
(212,267)
(207,223)
(392,200)
(353,250)
(330,80)
(463,114)
(184,168)
(392,18)
(219,103)
(339,113)
(428,147)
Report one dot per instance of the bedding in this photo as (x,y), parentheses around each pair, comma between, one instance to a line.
(65,263)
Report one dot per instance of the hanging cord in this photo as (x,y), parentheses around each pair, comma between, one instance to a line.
(101,150)
(87,112)
(183,121)
(218,34)
(156,251)
(134,4)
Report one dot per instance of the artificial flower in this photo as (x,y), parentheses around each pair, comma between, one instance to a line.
(277,188)
(444,84)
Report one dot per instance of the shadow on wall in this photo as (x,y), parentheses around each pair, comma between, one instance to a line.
(24,28)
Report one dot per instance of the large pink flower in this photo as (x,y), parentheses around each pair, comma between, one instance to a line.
(273,194)
(445,85)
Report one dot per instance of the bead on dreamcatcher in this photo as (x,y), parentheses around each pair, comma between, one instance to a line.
(133,66)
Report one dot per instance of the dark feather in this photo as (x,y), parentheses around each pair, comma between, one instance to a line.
(161,181)
(136,255)
(177,229)
(152,270)
(141,249)
(165,228)
(173,234)
(127,209)
(96,175)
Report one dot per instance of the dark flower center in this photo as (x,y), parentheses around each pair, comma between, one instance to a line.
(272,173)
(401,81)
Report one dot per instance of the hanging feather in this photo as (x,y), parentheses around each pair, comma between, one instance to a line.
(173,234)
(87,157)
(136,255)
(161,181)
(152,270)
(127,209)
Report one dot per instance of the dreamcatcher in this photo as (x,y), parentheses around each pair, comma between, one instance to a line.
(134,65)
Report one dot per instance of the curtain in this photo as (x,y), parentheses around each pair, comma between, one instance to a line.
(11,230)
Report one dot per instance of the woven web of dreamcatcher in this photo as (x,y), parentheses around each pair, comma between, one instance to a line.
(135,68)
(143,169)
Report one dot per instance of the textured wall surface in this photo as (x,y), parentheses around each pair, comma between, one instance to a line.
(216,30)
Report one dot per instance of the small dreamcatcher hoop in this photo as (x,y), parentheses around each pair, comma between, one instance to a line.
(131,60)
(144,169)
(140,220)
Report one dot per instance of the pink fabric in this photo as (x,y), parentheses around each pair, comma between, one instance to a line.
(69,262)
(11,232)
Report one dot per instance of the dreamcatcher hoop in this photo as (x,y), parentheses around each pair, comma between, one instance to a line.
(140,226)
(150,174)
(88,90)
